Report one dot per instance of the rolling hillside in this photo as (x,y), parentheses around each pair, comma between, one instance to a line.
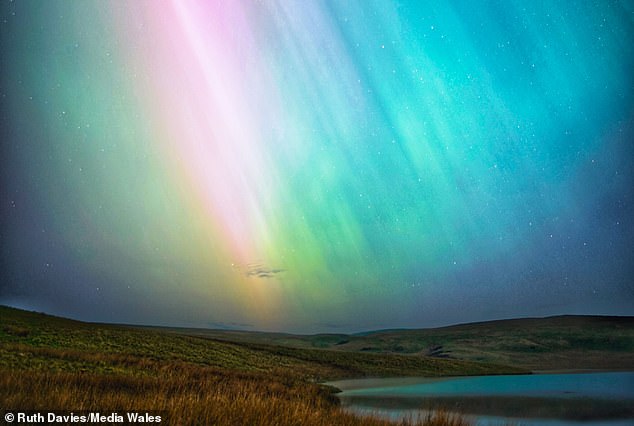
(50,363)
(553,343)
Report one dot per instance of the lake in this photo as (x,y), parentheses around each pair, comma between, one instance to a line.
(537,399)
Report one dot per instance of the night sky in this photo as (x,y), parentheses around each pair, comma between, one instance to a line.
(317,166)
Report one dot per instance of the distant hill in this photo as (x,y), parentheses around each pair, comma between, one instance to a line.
(552,343)
(30,340)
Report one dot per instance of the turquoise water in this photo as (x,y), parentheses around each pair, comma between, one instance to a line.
(540,399)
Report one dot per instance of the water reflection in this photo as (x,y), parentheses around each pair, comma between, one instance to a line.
(545,399)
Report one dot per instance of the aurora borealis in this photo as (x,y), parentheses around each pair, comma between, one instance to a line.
(317,165)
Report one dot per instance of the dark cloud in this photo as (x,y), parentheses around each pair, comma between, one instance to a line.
(260,270)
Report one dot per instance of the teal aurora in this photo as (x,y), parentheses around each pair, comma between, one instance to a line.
(319,165)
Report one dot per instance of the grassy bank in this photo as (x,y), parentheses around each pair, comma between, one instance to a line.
(49,363)
(187,396)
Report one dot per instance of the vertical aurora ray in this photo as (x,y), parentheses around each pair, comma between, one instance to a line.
(295,164)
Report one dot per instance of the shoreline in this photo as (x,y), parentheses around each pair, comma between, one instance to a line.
(345,385)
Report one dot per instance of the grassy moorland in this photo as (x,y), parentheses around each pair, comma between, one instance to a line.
(50,363)
(563,342)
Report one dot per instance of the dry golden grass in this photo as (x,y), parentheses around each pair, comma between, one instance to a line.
(189,395)
(54,364)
